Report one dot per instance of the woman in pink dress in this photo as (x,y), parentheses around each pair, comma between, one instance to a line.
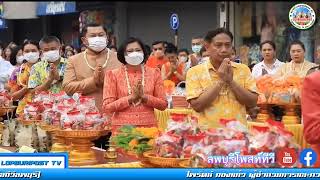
(133,91)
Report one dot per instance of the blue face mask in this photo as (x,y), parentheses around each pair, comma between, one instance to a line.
(196,48)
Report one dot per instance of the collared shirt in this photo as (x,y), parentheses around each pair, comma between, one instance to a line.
(5,71)
(203,76)
(258,69)
(40,73)
(18,80)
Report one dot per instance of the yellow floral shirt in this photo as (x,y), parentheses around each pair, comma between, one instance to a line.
(18,81)
(202,76)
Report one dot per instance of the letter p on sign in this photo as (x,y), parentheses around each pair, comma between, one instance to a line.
(174,22)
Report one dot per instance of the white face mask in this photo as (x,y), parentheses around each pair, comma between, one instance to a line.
(97,44)
(196,48)
(20,59)
(134,58)
(32,57)
(183,58)
(51,56)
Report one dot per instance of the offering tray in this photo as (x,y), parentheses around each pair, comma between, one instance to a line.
(4,110)
(162,161)
(81,142)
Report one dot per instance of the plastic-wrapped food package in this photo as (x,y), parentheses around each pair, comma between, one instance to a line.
(87,104)
(169,145)
(5,99)
(190,141)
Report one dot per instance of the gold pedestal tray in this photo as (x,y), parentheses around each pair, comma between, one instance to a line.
(290,116)
(81,141)
(4,110)
(263,115)
(161,161)
(29,122)
(59,142)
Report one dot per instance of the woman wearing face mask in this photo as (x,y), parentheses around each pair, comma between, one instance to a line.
(18,82)
(18,86)
(298,65)
(132,91)
(204,55)
(16,57)
(183,58)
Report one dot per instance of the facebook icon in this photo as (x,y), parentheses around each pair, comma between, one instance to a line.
(308,157)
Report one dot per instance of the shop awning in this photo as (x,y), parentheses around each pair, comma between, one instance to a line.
(53,8)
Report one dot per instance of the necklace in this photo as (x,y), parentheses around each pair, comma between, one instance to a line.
(301,68)
(128,82)
(104,65)
(19,76)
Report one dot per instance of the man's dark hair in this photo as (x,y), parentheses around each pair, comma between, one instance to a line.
(85,28)
(211,34)
(122,49)
(49,39)
(159,42)
(171,48)
(268,42)
(197,37)
(183,50)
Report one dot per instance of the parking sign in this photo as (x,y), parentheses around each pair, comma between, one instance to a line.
(174,21)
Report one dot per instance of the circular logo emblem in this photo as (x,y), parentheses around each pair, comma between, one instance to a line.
(286,157)
(302,16)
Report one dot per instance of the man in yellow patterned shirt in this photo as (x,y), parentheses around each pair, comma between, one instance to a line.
(220,88)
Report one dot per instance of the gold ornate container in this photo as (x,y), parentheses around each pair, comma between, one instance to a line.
(290,116)
(81,143)
(263,113)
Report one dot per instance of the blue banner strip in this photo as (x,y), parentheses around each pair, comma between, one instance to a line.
(155,174)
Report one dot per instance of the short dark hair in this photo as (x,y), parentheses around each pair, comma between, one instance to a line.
(268,42)
(196,37)
(171,48)
(183,50)
(159,42)
(30,42)
(297,42)
(14,52)
(123,47)
(84,30)
(49,39)
(203,49)
(213,33)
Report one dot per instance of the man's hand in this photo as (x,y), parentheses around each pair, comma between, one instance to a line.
(194,60)
(225,71)
(54,74)
(173,68)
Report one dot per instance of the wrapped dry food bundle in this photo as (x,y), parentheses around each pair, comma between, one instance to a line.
(5,99)
(225,146)
(75,112)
